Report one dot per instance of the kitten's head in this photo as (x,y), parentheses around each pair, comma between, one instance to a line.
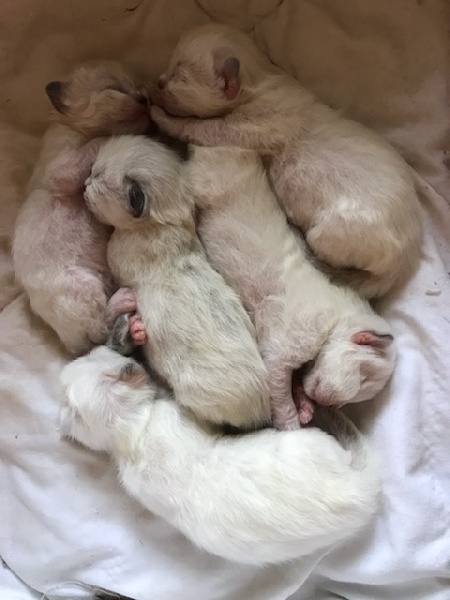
(353,366)
(136,180)
(210,72)
(103,394)
(100,98)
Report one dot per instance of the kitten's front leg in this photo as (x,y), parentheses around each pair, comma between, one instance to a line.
(178,127)
(260,137)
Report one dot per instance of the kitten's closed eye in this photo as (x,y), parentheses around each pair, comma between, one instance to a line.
(137,199)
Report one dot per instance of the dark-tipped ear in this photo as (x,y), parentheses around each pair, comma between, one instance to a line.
(55,92)
(133,374)
(379,341)
(228,70)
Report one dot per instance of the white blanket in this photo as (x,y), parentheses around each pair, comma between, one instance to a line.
(63,515)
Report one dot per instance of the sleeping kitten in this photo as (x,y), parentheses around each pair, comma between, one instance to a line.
(344,187)
(299,316)
(200,339)
(59,249)
(259,498)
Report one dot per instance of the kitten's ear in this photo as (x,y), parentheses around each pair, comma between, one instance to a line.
(227,69)
(55,93)
(130,373)
(134,374)
(378,341)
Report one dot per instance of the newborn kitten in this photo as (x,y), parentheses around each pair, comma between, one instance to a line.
(200,339)
(342,185)
(298,314)
(59,248)
(260,498)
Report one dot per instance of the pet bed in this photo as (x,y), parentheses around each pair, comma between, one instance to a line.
(63,514)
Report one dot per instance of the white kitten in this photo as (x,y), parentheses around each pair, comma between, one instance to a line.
(200,339)
(259,498)
(298,314)
(344,187)
(59,249)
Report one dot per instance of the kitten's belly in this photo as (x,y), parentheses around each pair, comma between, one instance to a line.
(249,265)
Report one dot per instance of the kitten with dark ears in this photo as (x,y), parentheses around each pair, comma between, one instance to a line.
(348,191)
(59,248)
(301,319)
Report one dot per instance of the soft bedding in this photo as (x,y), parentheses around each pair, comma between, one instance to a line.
(63,514)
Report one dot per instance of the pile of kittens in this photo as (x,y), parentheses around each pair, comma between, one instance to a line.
(232,229)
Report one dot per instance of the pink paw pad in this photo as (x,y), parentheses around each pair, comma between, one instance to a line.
(305,410)
(305,405)
(137,330)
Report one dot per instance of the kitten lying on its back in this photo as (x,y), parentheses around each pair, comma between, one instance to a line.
(344,187)
(298,314)
(59,249)
(259,498)
(200,339)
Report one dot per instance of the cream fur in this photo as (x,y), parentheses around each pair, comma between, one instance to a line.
(300,317)
(200,339)
(344,187)
(261,498)
(59,249)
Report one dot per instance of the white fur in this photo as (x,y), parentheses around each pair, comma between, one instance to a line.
(344,187)
(299,315)
(260,498)
(200,339)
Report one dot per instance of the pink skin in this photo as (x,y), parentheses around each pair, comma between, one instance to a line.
(121,302)
(124,302)
(137,330)
(305,406)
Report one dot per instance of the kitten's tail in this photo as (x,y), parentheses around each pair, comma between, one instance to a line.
(335,423)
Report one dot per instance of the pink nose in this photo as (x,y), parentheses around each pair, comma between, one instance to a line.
(161,82)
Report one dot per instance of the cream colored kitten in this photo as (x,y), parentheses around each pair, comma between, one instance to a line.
(200,339)
(259,498)
(300,317)
(343,186)
(59,248)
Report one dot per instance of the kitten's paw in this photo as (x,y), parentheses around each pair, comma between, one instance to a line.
(137,330)
(305,410)
(172,125)
(120,303)
(159,116)
(305,405)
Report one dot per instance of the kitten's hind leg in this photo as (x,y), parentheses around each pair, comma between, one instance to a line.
(119,338)
(305,405)
(285,416)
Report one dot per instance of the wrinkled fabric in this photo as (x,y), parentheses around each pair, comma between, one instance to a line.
(63,514)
